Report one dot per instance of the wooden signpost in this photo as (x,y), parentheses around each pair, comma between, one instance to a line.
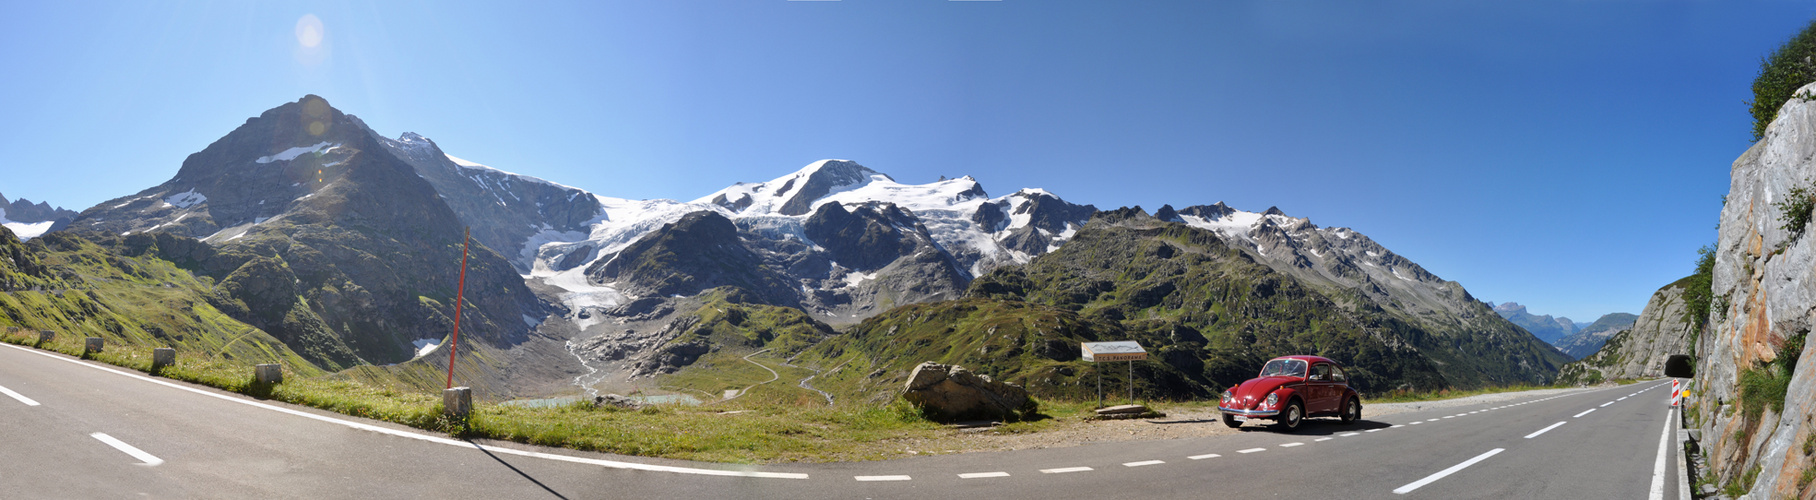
(1127,350)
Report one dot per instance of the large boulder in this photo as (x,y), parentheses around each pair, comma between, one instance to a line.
(951,393)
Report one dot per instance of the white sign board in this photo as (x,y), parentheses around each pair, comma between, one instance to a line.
(1127,350)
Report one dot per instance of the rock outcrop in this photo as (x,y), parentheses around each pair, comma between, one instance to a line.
(1764,301)
(952,393)
(1663,329)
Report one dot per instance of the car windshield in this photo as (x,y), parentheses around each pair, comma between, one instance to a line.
(1284,368)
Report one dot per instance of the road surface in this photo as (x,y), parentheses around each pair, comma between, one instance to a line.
(78,429)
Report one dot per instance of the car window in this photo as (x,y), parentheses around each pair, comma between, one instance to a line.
(1336,374)
(1321,371)
(1284,367)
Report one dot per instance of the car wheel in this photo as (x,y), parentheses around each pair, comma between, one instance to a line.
(1291,416)
(1230,420)
(1352,411)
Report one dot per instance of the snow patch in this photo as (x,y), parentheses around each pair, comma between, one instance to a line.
(292,153)
(425,346)
(185,199)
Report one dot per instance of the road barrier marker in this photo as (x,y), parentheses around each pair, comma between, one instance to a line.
(979,475)
(1440,475)
(20,397)
(1544,430)
(147,458)
(1063,470)
(1585,412)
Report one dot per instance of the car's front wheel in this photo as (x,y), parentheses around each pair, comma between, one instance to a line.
(1352,411)
(1290,416)
(1230,420)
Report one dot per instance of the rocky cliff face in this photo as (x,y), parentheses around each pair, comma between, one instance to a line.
(1765,301)
(1639,351)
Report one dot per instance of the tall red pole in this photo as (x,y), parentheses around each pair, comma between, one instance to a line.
(459,295)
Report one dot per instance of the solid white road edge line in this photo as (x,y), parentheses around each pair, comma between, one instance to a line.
(129,449)
(1440,475)
(1658,466)
(434,439)
(978,475)
(20,397)
(1585,412)
(1544,430)
(882,478)
(1063,470)
(1142,463)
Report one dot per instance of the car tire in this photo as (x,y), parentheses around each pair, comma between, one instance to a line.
(1230,420)
(1290,417)
(1352,411)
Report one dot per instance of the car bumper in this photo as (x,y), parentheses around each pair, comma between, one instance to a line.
(1249,413)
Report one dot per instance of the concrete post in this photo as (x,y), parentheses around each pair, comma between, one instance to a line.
(457,401)
(93,345)
(162,357)
(268,374)
(45,336)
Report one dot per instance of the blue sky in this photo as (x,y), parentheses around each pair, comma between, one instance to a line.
(1567,155)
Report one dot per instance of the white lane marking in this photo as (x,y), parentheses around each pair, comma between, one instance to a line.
(1658,466)
(1417,423)
(1290,445)
(1605,405)
(1373,430)
(1460,415)
(1397,425)
(433,439)
(128,449)
(1620,399)
(20,397)
(1064,470)
(1585,412)
(1432,420)
(1542,431)
(1450,416)
(1251,450)
(980,475)
(1348,434)
(882,478)
(1204,456)
(1323,439)
(1440,475)
(1142,463)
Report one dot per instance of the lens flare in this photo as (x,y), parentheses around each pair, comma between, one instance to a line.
(309,31)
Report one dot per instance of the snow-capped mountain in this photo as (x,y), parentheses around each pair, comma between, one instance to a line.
(28,220)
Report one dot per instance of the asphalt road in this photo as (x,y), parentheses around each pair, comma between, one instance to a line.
(97,431)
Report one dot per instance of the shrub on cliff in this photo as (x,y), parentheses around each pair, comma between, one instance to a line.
(1787,69)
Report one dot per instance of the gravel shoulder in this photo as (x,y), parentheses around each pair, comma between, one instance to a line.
(1180,422)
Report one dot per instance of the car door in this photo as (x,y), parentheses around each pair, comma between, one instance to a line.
(1321,388)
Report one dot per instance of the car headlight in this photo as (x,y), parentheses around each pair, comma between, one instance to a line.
(1272,399)
(1227,396)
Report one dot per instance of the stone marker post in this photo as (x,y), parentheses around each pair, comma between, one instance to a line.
(45,336)
(93,345)
(162,357)
(268,374)
(457,401)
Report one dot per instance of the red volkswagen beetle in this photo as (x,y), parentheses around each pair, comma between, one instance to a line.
(1289,389)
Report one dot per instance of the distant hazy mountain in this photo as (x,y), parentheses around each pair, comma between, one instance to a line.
(27,220)
(1590,339)
(1545,327)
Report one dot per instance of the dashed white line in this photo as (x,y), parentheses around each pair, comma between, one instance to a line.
(1432,420)
(1204,456)
(1348,434)
(1620,399)
(1373,430)
(1605,405)
(1143,463)
(1251,450)
(1440,475)
(1450,416)
(979,475)
(1397,425)
(1063,470)
(1460,415)
(1323,439)
(1585,412)
(1544,430)
(882,478)
(20,397)
(1290,445)
(1417,423)
(147,458)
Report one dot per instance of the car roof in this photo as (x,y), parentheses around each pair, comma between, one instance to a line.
(1310,359)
